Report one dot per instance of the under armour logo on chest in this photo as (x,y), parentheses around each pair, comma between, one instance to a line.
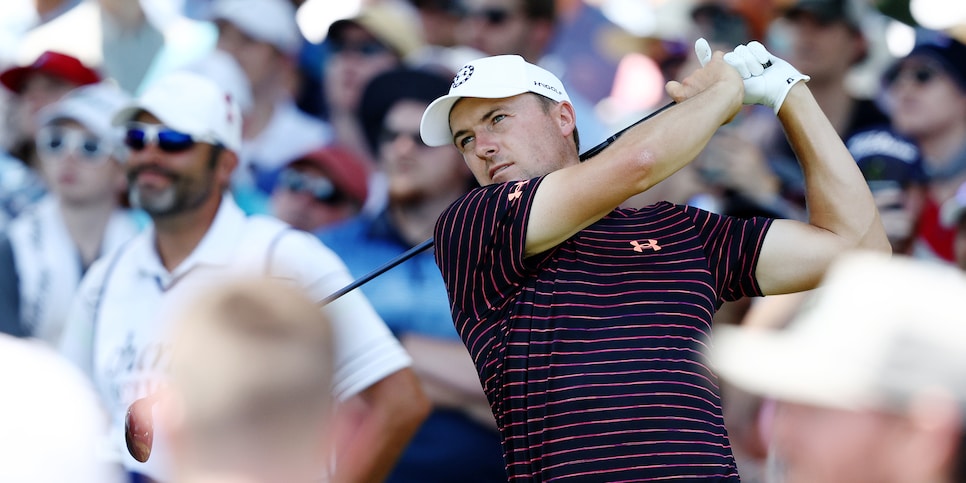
(649,243)
(517,191)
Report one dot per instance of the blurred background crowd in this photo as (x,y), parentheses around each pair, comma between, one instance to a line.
(331,94)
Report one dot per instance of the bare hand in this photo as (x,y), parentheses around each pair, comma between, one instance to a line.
(714,71)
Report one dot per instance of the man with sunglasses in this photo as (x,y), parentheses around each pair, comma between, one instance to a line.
(184,134)
(926,93)
(321,188)
(49,248)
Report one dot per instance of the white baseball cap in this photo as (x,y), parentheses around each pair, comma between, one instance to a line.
(92,106)
(876,334)
(269,21)
(191,104)
(488,78)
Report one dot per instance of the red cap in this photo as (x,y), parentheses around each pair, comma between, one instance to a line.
(51,63)
(347,171)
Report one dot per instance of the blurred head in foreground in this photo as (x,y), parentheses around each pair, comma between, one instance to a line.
(250,386)
(870,374)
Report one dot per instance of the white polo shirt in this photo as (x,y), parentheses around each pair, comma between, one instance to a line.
(117,327)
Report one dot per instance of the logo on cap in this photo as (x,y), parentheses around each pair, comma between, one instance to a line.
(548,87)
(462,76)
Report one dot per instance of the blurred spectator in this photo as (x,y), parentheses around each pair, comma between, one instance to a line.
(893,168)
(441,21)
(20,187)
(250,393)
(37,85)
(263,38)
(459,441)
(184,134)
(78,222)
(825,41)
(320,188)
(114,36)
(869,375)
(927,96)
(359,48)
(50,422)
(952,216)
(496,27)
(527,28)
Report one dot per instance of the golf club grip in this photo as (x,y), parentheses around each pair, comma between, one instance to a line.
(428,243)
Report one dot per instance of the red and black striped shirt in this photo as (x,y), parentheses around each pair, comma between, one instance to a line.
(592,354)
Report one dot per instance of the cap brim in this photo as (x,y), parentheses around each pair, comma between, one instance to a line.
(434,127)
(775,363)
(13,78)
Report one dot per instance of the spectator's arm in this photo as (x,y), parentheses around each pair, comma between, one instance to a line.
(382,419)
(448,376)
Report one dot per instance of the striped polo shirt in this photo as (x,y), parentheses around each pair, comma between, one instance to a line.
(592,353)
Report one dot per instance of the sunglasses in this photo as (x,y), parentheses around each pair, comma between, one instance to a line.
(56,141)
(389,135)
(492,16)
(139,135)
(366,48)
(319,187)
(920,74)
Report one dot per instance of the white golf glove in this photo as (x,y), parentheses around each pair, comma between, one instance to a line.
(767,78)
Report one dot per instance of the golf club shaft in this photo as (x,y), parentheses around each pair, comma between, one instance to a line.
(428,243)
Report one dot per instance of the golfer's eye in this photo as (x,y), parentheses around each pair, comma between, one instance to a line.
(499,117)
(463,142)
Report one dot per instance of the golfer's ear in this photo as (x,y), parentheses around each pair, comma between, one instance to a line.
(567,118)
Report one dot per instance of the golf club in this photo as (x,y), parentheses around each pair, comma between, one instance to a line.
(138,425)
(428,243)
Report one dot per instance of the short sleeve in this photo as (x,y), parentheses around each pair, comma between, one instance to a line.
(480,241)
(732,246)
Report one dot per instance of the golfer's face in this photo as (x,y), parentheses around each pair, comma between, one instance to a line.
(509,139)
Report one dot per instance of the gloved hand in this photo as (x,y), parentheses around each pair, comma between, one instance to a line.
(767,78)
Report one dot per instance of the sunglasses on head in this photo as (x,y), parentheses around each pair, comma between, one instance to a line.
(319,187)
(919,74)
(139,135)
(389,135)
(56,141)
(492,15)
(365,48)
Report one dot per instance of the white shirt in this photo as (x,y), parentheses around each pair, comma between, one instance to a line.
(49,266)
(118,323)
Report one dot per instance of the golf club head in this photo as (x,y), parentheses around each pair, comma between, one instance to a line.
(139,428)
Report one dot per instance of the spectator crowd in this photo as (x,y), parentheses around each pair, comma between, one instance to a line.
(182,184)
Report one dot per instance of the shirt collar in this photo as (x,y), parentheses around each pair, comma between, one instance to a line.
(215,249)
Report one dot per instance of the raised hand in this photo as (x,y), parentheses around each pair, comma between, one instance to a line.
(767,78)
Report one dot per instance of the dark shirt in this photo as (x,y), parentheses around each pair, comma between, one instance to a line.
(592,354)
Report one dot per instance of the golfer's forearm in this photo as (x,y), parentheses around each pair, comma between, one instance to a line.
(663,147)
(837,195)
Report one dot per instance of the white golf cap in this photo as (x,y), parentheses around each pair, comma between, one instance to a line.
(879,332)
(191,104)
(92,106)
(269,21)
(488,78)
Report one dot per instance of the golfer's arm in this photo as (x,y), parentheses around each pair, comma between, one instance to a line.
(387,415)
(842,214)
(571,199)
